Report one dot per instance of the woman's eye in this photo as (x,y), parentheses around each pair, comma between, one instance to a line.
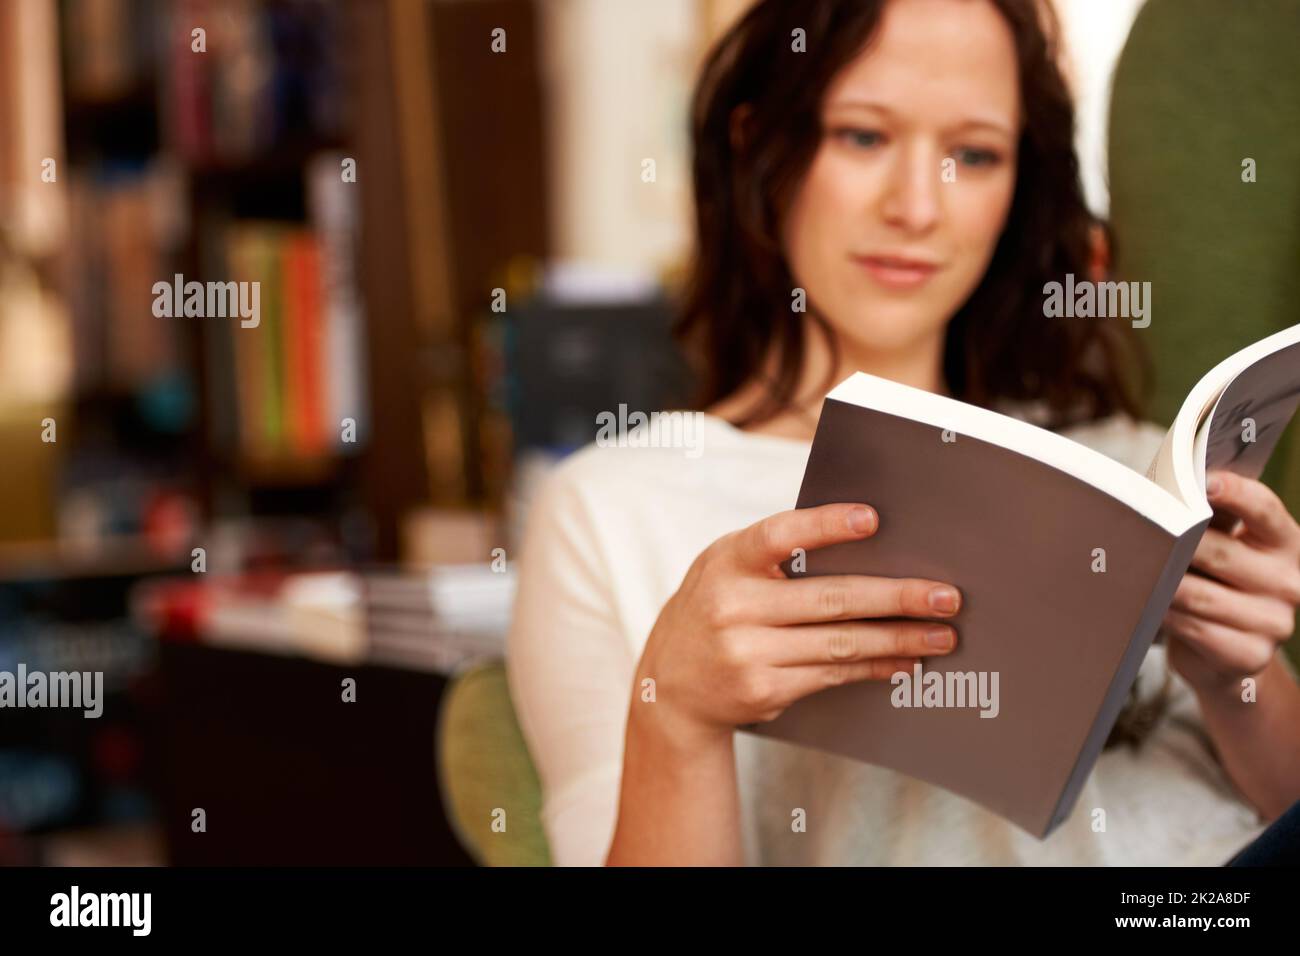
(862,138)
(977,157)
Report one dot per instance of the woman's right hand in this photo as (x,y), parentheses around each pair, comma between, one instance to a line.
(739,642)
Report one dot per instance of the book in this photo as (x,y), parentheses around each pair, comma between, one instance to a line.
(271,76)
(252,384)
(268,249)
(302,345)
(303,362)
(335,214)
(1066,559)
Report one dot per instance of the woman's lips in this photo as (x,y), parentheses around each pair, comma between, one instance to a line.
(896,272)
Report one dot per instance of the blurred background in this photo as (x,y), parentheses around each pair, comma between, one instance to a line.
(353,470)
(460,263)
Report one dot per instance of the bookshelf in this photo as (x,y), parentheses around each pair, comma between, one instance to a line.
(225,165)
(177,159)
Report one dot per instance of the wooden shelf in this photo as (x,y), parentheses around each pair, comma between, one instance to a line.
(288,471)
(117,556)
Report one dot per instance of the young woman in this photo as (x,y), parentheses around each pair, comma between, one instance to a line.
(904,167)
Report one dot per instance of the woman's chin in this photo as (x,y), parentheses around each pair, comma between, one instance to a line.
(889,332)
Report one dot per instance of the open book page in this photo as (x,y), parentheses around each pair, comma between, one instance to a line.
(1163,471)
(1232,418)
(1250,416)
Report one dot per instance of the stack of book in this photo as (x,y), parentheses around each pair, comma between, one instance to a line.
(439,620)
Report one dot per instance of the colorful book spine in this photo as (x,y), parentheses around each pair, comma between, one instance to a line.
(299,368)
(249,370)
(333,209)
(302,341)
(269,272)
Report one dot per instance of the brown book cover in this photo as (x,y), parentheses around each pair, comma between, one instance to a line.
(1066,560)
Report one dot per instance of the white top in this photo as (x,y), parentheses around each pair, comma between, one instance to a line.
(610,535)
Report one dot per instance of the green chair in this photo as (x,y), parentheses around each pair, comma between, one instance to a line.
(1203,87)
(485,773)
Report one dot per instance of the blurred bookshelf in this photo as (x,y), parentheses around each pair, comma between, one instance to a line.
(385,414)
(362,395)
(361,390)
(213,164)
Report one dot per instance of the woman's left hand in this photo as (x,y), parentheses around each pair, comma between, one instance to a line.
(1238,604)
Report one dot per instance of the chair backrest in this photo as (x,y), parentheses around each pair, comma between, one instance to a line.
(490,789)
(1201,88)
(1206,98)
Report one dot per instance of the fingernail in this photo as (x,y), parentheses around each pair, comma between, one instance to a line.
(939,638)
(943,599)
(862,519)
(1213,486)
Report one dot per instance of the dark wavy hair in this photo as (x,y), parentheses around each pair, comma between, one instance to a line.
(999,347)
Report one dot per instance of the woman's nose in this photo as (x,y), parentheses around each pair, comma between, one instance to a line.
(912,199)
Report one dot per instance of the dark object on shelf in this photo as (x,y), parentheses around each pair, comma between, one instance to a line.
(568,363)
(286,772)
(63,611)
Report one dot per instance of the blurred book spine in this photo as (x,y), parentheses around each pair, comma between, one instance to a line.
(107,52)
(334,209)
(301,363)
(304,372)
(270,74)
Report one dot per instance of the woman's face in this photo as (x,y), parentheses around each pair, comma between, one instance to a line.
(898,216)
